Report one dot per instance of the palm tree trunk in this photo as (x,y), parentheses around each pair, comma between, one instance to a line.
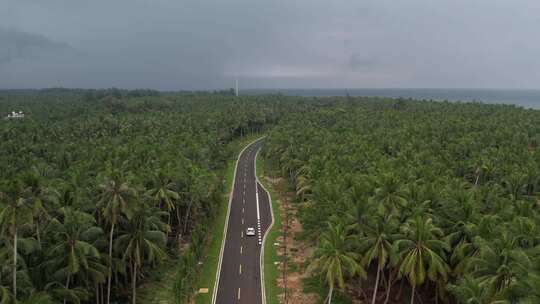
(387,293)
(110,265)
(388,288)
(169,224)
(96,287)
(412,294)
(360,287)
(376,285)
(187,216)
(330,294)
(398,296)
(134,284)
(15,264)
(67,284)
(38,234)
(178,225)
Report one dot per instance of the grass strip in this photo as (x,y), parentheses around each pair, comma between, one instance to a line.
(271,271)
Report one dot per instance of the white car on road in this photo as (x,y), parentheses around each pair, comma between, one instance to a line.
(250,231)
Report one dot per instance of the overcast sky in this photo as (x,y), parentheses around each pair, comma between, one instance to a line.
(206,44)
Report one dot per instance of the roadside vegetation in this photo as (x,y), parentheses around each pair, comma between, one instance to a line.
(271,259)
(416,201)
(101,187)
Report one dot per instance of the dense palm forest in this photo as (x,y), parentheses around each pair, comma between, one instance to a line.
(99,187)
(417,201)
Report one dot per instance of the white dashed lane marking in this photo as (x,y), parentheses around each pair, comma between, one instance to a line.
(258,214)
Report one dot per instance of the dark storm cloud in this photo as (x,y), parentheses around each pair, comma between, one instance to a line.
(173,44)
(18,45)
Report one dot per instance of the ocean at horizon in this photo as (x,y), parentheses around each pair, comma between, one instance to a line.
(523,98)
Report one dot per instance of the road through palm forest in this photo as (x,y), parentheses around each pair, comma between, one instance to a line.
(239,278)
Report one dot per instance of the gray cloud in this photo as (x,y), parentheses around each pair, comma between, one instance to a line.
(19,45)
(360,62)
(193,44)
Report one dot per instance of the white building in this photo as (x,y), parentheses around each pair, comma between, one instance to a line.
(14,114)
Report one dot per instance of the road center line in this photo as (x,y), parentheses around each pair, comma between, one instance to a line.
(241,249)
(238,293)
(240,269)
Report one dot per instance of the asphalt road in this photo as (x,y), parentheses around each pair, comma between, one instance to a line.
(240,272)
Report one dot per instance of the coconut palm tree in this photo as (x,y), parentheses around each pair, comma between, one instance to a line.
(197,193)
(35,298)
(115,196)
(515,185)
(334,257)
(389,193)
(40,196)
(15,212)
(163,192)
(500,262)
(377,244)
(72,251)
(303,182)
(469,290)
(142,241)
(529,288)
(421,252)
